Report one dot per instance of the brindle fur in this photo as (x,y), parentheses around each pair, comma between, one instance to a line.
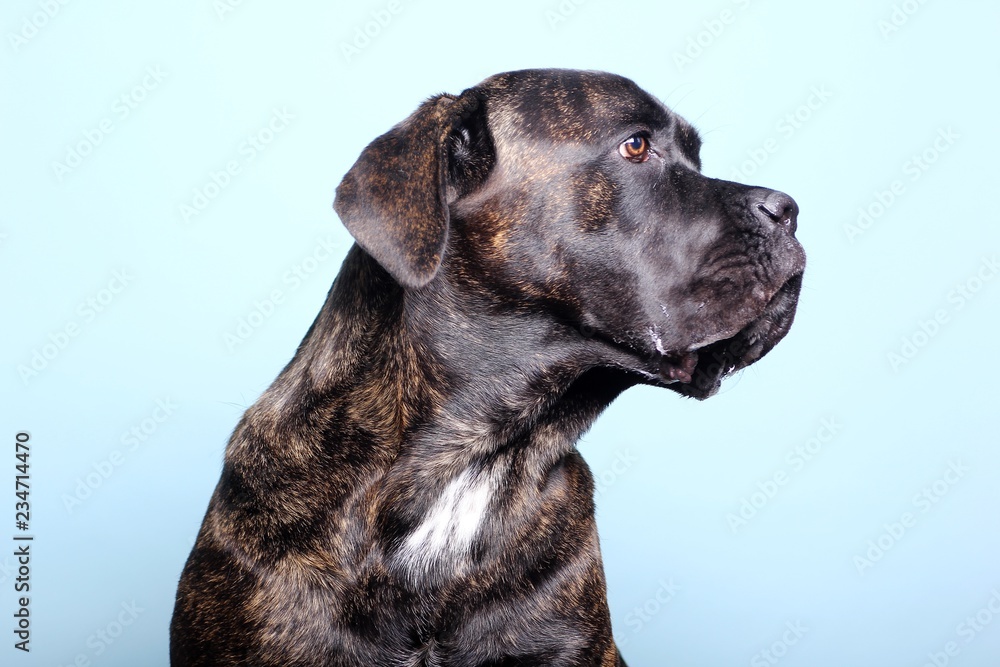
(513,275)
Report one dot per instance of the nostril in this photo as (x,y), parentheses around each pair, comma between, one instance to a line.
(780,209)
(781,216)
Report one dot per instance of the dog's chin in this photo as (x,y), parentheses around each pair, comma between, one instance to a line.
(699,372)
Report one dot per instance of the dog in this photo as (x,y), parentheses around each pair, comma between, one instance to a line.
(408,492)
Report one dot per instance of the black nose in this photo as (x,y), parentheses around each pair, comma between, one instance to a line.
(780,209)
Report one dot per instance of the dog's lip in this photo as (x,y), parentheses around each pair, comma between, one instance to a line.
(723,356)
(678,367)
(793,281)
(699,369)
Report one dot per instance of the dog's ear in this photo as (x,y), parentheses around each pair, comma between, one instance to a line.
(395,198)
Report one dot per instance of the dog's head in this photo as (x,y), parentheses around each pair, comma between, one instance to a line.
(578,195)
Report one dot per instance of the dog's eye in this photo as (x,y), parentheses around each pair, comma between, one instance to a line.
(635,148)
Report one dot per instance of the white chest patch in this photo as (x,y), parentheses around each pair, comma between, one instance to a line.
(447,531)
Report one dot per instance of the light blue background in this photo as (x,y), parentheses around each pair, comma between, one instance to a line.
(685,589)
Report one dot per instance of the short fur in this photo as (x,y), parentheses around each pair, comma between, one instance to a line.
(408,491)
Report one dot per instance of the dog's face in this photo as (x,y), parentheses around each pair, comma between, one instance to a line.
(580,195)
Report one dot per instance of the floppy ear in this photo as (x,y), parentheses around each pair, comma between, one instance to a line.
(395,198)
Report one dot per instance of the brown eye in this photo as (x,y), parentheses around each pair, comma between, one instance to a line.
(635,148)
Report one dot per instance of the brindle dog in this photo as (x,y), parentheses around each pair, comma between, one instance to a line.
(408,491)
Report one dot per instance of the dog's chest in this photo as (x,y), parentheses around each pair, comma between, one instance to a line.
(443,538)
(483,509)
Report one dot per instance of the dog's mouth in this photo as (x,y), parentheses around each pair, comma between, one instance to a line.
(699,372)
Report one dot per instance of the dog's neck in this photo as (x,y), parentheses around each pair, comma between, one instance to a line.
(395,355)
(386,425)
